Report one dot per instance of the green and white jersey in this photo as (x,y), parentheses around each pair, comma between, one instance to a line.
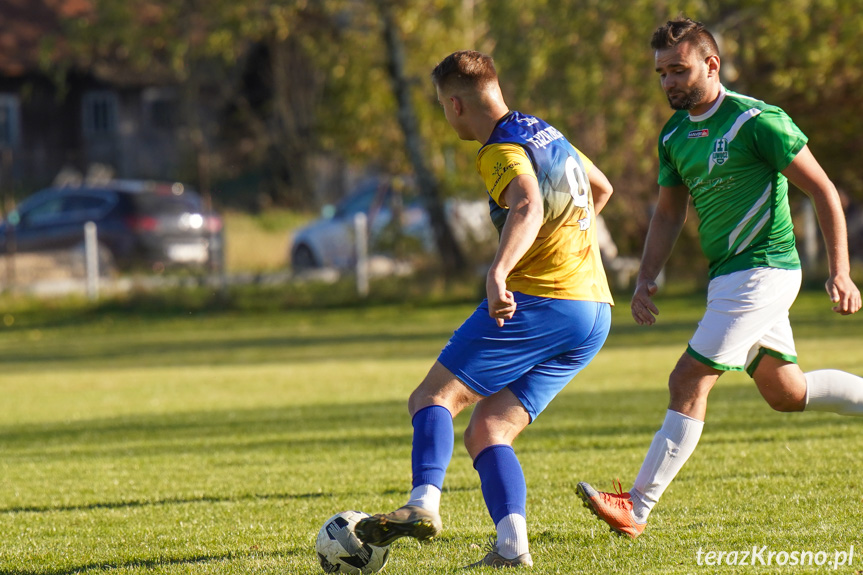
(730,158)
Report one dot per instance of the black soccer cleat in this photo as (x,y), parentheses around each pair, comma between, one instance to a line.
(409,521)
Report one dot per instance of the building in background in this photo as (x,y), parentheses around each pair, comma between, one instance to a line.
(55,117)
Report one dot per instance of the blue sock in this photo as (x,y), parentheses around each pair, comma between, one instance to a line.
(503,486)
(432,446)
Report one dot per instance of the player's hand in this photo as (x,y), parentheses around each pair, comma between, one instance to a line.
(844,294)
(501,302)
(644,311)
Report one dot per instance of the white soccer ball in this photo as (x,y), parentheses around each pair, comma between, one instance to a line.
(341,551)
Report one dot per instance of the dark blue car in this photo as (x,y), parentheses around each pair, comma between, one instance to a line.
(140,225)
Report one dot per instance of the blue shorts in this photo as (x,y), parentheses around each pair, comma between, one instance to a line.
(535,354)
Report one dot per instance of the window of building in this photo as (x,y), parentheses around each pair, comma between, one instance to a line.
(160,108)
(10,118)
(100,110)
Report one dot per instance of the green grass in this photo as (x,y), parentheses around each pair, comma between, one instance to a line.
(260,243)
(218,442)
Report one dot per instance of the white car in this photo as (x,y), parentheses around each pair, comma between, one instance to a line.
(397,223)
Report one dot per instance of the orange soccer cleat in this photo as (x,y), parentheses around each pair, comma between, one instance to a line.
(613,508)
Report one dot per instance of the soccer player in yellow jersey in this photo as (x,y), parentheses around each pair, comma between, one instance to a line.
(546,315)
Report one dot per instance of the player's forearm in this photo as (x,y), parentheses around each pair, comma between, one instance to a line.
(518,235)
(831,219)
(665,228)
(806,173)
(600,188)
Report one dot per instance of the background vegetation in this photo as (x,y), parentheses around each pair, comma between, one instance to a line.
(305,89)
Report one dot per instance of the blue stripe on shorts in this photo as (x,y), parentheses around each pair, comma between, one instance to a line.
(535,354)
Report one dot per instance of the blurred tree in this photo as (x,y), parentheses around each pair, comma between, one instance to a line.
(324,81)
(454,263)
(803,55)
(205,47)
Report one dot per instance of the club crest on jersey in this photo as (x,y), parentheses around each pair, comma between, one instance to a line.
(699,134)
(720,151)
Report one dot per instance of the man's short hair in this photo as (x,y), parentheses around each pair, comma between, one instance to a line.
(680,30)
(466,69)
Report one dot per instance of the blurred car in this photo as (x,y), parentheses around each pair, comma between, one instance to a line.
(396,222)
(140,224)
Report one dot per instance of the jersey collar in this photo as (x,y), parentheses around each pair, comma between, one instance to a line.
(712,109)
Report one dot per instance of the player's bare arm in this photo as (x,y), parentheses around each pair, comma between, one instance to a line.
(600,188)
(665,227)
(806,173)
(523,221)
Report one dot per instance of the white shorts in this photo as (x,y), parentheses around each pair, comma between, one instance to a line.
(747,318)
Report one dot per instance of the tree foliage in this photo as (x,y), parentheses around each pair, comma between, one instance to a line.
(583,65)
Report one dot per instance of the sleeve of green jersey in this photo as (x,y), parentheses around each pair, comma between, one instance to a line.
(777,139)
(668,175)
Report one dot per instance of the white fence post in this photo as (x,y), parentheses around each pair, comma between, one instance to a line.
(91,260)
(362,243)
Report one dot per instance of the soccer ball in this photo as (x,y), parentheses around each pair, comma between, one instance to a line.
(341,551)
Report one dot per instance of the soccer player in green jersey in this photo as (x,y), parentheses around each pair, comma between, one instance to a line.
(731,155)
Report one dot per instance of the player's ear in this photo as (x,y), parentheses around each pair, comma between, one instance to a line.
(457,105)
(713,65)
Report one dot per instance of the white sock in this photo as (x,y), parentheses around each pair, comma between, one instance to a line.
(426,496)
(512,536)
(834,391)
(671,447)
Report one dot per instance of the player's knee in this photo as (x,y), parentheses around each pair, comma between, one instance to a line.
(416,402)
(478,436)
(420,399)
(472,440)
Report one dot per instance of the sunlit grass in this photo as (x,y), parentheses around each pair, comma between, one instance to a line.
(259,243)
(219,442)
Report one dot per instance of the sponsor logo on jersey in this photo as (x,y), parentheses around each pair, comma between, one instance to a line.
(720,151)
(699,133)
(499,171)
(545,137)
(528,120)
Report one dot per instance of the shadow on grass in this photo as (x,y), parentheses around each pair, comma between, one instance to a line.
(162,502)
(368,333)
(147,564)
(235,350)
(576,419)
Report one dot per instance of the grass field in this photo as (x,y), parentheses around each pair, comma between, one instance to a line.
(218,442)
(259,243)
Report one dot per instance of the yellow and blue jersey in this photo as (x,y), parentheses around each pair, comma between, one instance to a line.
(564,262)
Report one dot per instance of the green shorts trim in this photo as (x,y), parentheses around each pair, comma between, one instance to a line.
(710,362)
(772,353)
(753,365)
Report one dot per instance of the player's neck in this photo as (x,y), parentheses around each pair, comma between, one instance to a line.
(710,100)
(489,122)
